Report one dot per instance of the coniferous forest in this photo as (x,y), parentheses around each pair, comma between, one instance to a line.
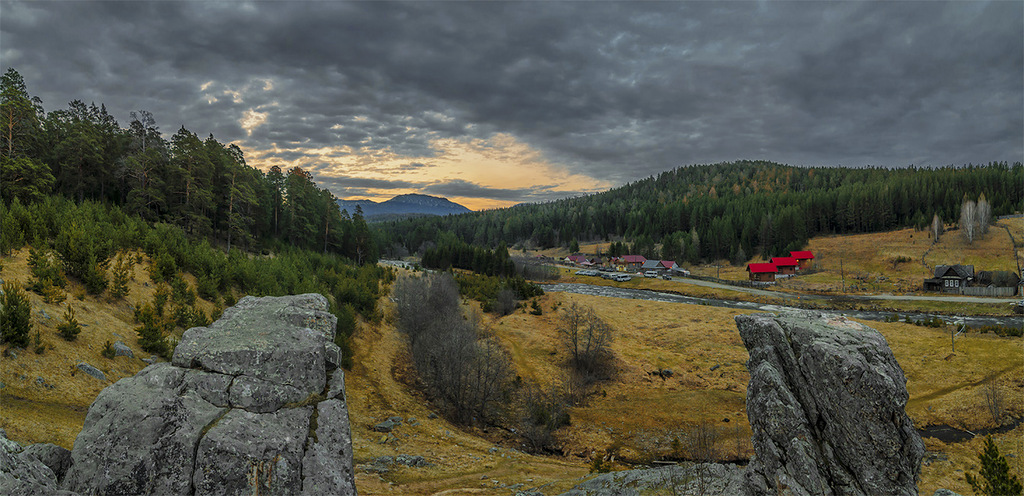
(731,210)
(85,194)
(200,185)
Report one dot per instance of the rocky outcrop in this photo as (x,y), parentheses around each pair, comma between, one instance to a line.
(252,404)
(23,473)
(697,479)
(826,405)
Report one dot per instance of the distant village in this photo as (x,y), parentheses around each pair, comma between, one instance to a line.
(958,279)
(763,273)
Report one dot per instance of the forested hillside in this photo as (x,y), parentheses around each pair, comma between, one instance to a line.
(201,185)
(87,196)
(732,210)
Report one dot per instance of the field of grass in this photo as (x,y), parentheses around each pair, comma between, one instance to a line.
(634,416)
(44,396)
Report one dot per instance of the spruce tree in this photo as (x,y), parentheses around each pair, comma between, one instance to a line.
(70,328)
(995,478)
(15,316)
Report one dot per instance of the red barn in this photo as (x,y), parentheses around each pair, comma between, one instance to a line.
(762,272)
(803,258)
(786,265)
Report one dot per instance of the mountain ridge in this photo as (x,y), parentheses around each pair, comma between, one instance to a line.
(412,204)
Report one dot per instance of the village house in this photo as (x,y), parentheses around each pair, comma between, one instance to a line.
(576,259)
(762,272)
(950,278)
(803,258)
(786,265)
(628,263)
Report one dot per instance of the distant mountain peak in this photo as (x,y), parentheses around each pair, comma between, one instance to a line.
(404,205)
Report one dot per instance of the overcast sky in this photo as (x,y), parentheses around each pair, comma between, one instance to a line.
(493,103)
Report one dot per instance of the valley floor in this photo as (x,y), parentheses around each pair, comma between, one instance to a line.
(632,418)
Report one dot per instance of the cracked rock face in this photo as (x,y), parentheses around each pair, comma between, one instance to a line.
(826,405)
(251,404)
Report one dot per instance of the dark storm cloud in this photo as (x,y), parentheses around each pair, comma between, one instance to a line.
(365,183)
(615,91)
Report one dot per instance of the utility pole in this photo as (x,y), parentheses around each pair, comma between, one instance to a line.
(842,274)
(953,333)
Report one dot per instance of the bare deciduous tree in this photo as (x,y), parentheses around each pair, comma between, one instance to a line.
(464,372)
(936,228)
(983,214)
(586,336)
(968,218)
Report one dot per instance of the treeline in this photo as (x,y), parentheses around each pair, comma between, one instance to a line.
(452,252)
(201,185)
(724,210)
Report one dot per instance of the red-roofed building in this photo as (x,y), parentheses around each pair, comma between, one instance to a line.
(762,272)
(786,265)
(803,258)
(576,259)
(629,262)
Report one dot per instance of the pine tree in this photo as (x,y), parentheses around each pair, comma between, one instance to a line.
(995,478)
(70,329)
(15,316)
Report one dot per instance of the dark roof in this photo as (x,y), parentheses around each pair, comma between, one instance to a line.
(960,271)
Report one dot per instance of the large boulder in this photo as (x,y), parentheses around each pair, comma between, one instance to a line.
(826,405)
(251,404)
(23,473)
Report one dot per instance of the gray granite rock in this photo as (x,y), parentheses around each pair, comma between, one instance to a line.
(57,458)
(249,405)
(253,453)
(324,465)
(826,404)
(93,371)
(121,349)
(697,479)
(23,473)
(140,436)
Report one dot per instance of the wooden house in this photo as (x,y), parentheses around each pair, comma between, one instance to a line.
(950,278)
(629,263)
(786,265)
(762,272)
(803,258)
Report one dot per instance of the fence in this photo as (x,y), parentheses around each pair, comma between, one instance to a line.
(993,291)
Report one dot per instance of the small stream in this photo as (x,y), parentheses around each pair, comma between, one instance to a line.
(644,294)
(949,434)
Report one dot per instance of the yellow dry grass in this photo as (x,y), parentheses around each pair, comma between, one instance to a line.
(45,396)
(633,416)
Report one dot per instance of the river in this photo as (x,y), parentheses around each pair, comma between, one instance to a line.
(644,294)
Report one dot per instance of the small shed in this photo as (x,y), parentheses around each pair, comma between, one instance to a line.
(762,272)
(786,265)
(803,258)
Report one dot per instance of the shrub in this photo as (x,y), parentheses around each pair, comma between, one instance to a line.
(108,350)
(120,274)
(163,268)
(181,293)
(15,316)
(994,478)
(151,337)
(70,329)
